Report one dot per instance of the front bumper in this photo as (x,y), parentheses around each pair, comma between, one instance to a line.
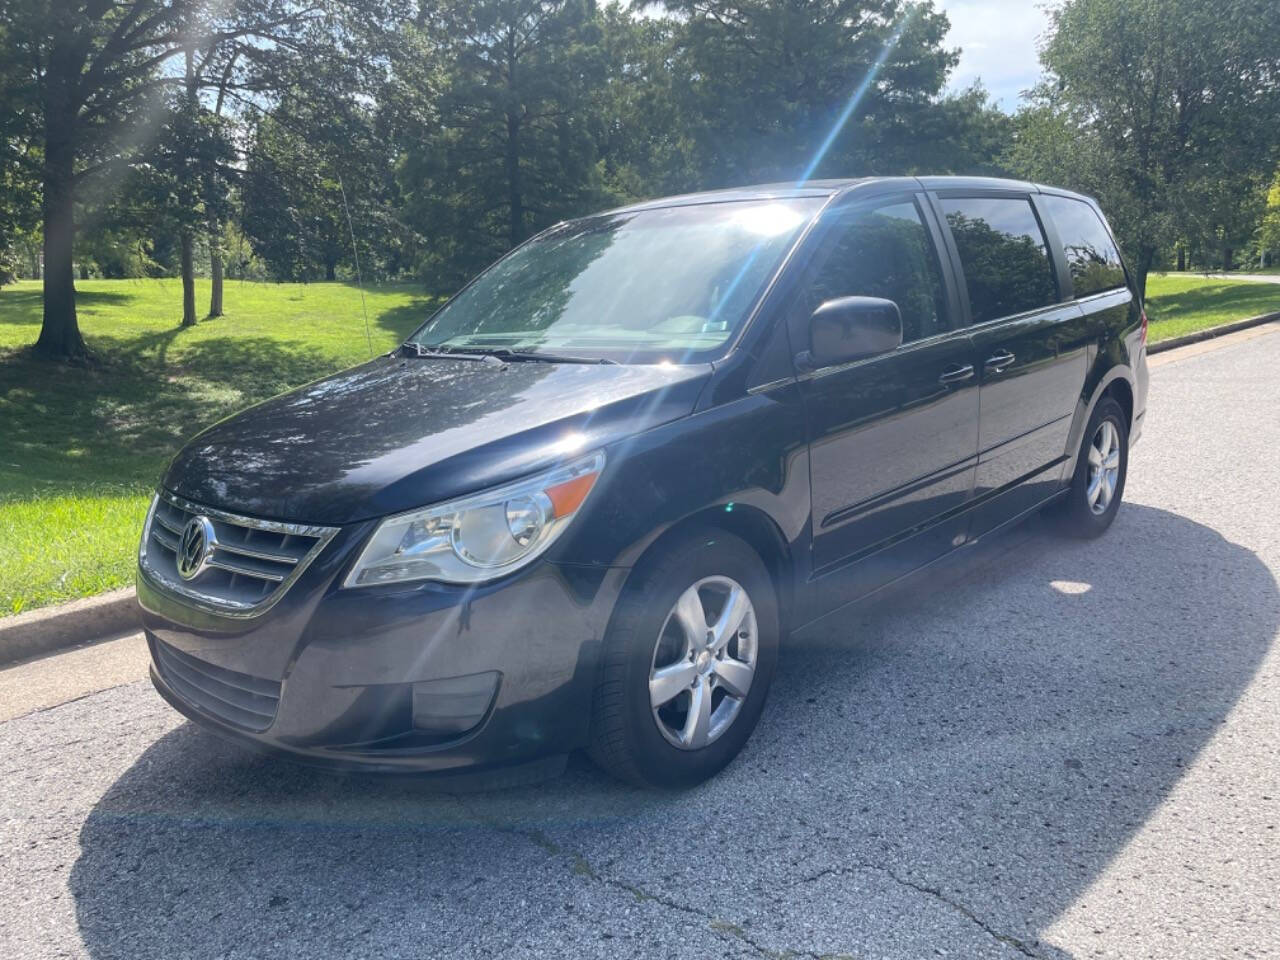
(417,678)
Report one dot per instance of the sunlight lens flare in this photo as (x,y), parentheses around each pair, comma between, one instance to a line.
(856,98)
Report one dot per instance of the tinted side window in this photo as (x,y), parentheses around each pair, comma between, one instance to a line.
(1091,254)
(1003,253)
(885,252)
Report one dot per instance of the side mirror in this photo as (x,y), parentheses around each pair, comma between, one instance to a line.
(850,328)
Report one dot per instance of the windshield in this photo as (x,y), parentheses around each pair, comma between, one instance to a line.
(671,284)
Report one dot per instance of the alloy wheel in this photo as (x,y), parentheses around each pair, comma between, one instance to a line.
(703,662)
(1104,467)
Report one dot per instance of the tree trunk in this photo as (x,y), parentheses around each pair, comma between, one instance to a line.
(188,233)
(215,277)
(1226,259)
(1146,257)
(188,280)
(330,270)
(215,232)
(515,192)
(59,332)
(1182,258)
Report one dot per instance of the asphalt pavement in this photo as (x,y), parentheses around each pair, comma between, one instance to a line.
(1045,749)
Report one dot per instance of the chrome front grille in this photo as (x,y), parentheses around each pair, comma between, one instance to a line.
(239,699)
(245,569)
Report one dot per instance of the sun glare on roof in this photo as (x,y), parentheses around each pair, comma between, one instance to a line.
(768,219)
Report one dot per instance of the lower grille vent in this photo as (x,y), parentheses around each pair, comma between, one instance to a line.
(239,699)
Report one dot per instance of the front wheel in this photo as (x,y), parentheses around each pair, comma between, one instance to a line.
(687,663)
(1101,468)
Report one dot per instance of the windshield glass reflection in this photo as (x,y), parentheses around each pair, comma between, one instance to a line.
(672,284)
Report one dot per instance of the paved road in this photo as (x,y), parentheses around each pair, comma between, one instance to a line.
(1049,749)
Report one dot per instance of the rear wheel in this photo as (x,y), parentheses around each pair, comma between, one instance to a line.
(1101,468)
(687,663)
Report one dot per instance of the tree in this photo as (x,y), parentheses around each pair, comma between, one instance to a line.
(19,167)
(308,164)
(507,143)
(788,90)
(1149,103)
(1220,216)
(99,70)
(1269,230)
(224,84)
(644,150)
(180,182)
(292,209)
(329,73)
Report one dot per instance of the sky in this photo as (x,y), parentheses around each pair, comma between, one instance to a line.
(998,43)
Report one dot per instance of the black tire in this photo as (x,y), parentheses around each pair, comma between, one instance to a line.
(1075,515)
(625,736)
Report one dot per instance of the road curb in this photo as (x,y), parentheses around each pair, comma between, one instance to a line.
(1200,335)
(68,624)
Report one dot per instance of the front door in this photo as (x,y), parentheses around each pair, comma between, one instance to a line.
(893,438)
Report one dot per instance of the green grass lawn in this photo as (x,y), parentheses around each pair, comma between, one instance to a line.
(81,449)
(1178,304)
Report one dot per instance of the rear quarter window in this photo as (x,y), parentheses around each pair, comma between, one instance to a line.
(1091,253)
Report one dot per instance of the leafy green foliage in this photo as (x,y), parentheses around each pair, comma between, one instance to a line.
(19,161)
(1163,109)
(765,83)
(518,114)
(296,191)
(1269,230)
(182,178)
(99,73)
(509,145)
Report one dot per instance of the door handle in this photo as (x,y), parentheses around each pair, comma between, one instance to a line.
(1000,361)
(956,374)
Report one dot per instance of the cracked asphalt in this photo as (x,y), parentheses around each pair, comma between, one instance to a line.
(1044,749)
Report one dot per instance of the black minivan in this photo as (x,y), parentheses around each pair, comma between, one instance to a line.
(584,503)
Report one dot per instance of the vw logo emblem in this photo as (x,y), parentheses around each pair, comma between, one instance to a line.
(195,548)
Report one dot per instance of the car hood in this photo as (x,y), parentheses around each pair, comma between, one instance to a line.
(394,434)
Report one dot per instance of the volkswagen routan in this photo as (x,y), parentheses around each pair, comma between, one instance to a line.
(585,504)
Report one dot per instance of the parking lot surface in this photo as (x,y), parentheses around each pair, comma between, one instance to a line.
(1047,748)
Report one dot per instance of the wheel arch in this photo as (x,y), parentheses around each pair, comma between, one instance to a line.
(750,524)
(1115,381)
(1122,391)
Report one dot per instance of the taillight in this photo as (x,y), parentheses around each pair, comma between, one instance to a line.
(1144,325)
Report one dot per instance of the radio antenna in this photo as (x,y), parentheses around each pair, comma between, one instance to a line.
(355,253)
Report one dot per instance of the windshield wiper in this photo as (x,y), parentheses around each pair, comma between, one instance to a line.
(491,354)
(518,356)
(416,349)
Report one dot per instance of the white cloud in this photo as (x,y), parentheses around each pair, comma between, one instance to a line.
(998,43)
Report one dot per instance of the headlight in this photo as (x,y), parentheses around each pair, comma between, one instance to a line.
(480,537)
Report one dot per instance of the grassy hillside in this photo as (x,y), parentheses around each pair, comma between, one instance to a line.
(80,449)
